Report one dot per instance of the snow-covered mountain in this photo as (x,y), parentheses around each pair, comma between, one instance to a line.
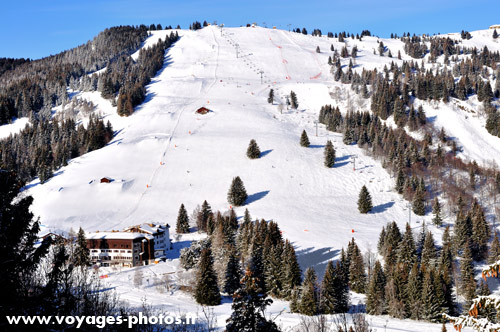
(165,154)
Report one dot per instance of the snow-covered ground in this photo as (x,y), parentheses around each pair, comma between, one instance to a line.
(165,154)
(12,128)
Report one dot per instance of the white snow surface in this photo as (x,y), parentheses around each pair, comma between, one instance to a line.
(165,154)
(13,128)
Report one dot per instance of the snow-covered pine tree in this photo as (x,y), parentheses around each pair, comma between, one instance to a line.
(304,140)
(206,291)
(182,225)
(479,305)
(329,154)
(237,194)
(364,201)
(253,151)
(249,305)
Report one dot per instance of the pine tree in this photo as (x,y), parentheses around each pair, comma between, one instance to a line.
(400,181)
(237,194)
(357,275)
(334,290)
(381,241)
(292,273)
(253,151)
(81,255)
(436,210)
(309,294)
(274,273)
(418,203)
(232,274)
(19,256)
(249,305)
(203,216)
(495,34)
(413,293)
(467,281)
(294,300)
(375,297)
(407,253)
(270,98)
(293,100)
(364,201)
(207,291)
(256,264)
(494,252)
(182,225)
(329,154)
(429,254)
(430,305)
(480,232)
(462,230)
(304,140)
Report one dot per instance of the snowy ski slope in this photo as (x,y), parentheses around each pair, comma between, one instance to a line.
(165,154)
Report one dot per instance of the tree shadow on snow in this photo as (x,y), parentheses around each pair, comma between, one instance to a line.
(255,197)
(316,146)
(265,153)
(336,165)
(175,252)
(382,207)
(343,158)
(316,258)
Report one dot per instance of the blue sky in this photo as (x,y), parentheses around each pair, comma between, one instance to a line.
(36,29)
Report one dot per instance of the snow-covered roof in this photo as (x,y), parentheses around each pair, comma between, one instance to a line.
(147,228)
(116,236)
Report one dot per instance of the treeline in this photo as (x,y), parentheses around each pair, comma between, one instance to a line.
(258,247)
(393,90)
(9,64)
(418,278)
(130,78)
(39,85)
(421,170)
(44,146)
(340,35)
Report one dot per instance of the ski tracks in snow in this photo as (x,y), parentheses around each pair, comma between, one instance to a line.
(162,162)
